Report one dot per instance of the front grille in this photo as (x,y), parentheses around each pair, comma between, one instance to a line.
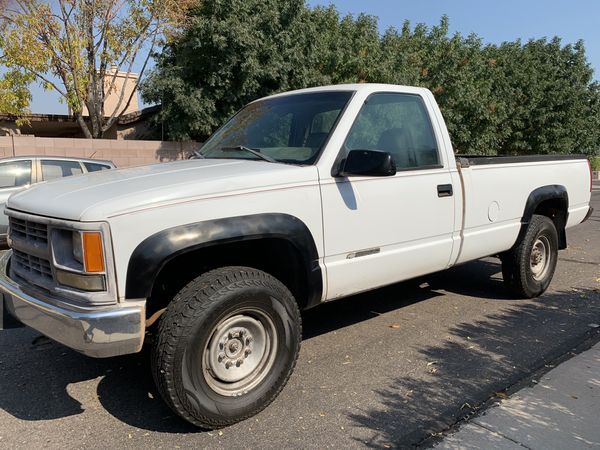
(29,231)
(28,265)
(31,252)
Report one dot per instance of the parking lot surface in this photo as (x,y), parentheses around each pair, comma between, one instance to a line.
(384,369)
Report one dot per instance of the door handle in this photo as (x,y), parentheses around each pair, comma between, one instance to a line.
(444,190)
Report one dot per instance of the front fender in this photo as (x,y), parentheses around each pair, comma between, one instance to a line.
(154,252)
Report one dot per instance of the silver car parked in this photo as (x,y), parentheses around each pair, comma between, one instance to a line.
(20,172)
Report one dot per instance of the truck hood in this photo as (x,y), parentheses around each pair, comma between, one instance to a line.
(100,195)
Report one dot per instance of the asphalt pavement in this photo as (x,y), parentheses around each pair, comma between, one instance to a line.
(396,367)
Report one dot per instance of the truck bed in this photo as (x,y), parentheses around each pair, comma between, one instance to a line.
(496,190)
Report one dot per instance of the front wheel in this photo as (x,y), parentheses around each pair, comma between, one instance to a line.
(528,267)
(226,346)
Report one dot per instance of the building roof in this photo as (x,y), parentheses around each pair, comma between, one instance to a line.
(34,117)
(66,125)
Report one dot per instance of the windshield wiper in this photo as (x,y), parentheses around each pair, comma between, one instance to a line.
(250,150)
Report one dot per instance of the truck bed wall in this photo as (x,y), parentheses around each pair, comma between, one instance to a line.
(496,190)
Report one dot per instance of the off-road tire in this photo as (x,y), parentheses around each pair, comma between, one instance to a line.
(184,332)
(517,263)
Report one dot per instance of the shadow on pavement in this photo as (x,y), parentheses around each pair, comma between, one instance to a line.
(41,378)
(477,360)
(474,279)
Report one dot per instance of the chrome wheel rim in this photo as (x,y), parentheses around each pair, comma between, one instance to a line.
(240,352)
(539,260)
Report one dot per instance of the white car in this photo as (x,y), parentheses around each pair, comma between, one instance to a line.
(20,172)
(301,198)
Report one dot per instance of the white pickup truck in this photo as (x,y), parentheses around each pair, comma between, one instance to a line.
(301,198)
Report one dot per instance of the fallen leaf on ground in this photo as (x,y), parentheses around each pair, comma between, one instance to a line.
(395,325)
(501,394)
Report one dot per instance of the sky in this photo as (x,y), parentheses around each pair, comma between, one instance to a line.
(493,20)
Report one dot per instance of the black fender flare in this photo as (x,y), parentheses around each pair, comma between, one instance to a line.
(154,252)
(538,196)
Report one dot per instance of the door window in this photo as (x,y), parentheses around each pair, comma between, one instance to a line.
(15,173)
(94,167)
(398,124)
(55,168)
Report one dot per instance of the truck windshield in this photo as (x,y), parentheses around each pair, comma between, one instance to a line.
(290,129)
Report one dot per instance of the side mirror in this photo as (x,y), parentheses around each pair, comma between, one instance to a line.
(368,163)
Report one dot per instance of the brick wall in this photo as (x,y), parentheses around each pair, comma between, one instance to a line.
(124,153)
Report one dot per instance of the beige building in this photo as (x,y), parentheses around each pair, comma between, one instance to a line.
(123,83)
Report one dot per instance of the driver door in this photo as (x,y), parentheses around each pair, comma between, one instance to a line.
(380,230)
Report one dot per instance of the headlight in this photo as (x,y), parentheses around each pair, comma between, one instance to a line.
(79,259)
(77,246)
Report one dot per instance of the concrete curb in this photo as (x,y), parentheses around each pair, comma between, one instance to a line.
(559,412)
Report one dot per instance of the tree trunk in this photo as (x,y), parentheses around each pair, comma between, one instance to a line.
(83,126)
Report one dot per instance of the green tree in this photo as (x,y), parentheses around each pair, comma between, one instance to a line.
(233,52)
(76,48)
(551,95)
(537,97)
(14,93)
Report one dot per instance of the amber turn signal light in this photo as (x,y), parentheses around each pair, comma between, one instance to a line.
(93,256)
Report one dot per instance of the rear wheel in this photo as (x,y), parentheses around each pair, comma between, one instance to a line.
(226,346)
(528,267)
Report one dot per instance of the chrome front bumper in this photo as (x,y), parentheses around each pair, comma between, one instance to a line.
(97,332)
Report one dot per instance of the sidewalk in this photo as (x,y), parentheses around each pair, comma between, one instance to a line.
(561,412)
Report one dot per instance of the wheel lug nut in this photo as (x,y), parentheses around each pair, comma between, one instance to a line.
(228,364)
(247,352)
(239,362)
(248,340)
(221,357)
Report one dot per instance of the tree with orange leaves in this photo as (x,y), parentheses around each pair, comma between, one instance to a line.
(78,47)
